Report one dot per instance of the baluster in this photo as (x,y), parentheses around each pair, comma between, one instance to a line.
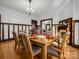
(2,31)
(8,31)
(18,28)
(13,27)
(22,27)
(25,28)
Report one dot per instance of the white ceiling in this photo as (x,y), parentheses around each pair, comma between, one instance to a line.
(40,7)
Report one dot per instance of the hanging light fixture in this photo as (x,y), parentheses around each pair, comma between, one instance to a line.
(29,10)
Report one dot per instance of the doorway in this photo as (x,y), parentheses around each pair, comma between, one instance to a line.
(76,32)
(34,23)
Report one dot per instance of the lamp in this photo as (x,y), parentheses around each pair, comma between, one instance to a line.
(29,10)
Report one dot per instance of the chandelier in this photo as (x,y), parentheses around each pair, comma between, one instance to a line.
(29,10)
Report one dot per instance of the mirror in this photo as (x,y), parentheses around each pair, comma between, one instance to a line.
(46,24)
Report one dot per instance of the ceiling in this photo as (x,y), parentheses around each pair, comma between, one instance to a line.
(40,7)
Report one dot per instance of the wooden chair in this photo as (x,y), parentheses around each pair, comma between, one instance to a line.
(31,50)
(18,42)
(59,38)
(59,51)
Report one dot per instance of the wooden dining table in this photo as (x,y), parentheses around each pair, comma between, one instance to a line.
(44,43)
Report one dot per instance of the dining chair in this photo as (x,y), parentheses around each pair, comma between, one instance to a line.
(59,51)
(59,38)
(18,42)
(31,50)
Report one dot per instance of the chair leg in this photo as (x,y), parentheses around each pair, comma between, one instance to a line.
(61,56)
(15,45)
(49,56)
(18,48)
(64,55)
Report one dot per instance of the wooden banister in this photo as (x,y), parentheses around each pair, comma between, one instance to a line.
(3,29)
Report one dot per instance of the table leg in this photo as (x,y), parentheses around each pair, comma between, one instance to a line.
(44,52)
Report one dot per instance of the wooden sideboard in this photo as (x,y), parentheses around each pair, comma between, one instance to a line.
(67,25)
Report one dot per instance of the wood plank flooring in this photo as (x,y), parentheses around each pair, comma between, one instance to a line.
(7,51)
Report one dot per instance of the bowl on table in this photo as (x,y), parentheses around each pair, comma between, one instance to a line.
(41,36)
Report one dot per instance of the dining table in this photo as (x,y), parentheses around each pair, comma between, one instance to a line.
(44,43)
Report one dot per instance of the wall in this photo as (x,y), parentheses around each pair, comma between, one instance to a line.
(12,16)
(66,11)
(59,11)
(76,9)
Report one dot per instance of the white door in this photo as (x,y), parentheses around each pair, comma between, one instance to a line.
(77,33)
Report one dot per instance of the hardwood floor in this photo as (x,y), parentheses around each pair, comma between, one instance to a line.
(7,51)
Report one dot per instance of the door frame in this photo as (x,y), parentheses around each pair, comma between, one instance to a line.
(0,27)
(34,22)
